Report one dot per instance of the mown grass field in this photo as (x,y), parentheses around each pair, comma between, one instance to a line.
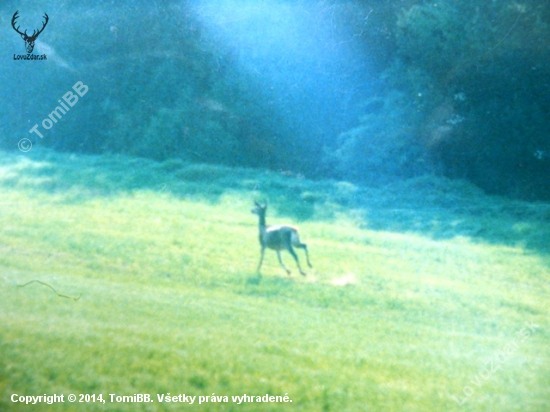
(415,288)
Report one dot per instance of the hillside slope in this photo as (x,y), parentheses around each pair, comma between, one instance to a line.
(144,283)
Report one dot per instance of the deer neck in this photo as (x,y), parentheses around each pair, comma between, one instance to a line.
(261,225)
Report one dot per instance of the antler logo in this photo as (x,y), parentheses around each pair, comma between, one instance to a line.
(29,40)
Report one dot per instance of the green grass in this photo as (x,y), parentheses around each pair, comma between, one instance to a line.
(414,287)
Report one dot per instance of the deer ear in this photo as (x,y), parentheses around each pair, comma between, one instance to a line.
(256,203)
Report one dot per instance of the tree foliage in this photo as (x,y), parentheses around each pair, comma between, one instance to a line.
(447,87)
(474,84)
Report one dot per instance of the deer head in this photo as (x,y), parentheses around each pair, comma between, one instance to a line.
(29,40)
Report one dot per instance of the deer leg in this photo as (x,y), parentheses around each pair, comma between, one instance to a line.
(293,253)
(281,262)
(261,260)
(304,246)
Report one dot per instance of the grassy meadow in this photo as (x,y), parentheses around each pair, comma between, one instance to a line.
(417,288)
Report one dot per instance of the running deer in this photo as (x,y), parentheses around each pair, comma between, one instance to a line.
(280,237)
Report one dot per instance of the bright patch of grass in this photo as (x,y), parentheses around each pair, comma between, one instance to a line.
(397,318)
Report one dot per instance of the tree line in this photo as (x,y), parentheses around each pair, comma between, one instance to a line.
(459,89)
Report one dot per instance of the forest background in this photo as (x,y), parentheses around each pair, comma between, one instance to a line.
(369,92)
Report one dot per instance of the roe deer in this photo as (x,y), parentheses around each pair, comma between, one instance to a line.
(278,238)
